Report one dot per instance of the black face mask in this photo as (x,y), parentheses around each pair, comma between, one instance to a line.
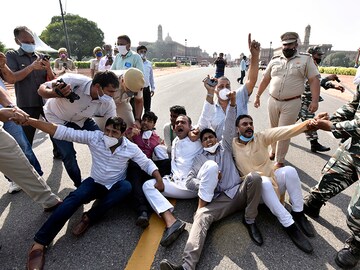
(317,60)
(289,52)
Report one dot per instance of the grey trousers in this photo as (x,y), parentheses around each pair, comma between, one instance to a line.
(247,197)
(15,165)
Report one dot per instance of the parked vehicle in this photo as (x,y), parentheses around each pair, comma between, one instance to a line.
(262,65)
(204,63)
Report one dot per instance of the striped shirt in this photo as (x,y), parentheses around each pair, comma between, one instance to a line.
(107,168)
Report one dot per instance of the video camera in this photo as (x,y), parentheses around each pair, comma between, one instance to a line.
(71,97)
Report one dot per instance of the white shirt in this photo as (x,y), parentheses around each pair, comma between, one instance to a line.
(213,116)
(102,63)
(60,110)
(357,76)
(149,75)
(107,168)
(182,154)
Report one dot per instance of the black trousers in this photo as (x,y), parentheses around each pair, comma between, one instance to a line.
(147,98)
(136,176)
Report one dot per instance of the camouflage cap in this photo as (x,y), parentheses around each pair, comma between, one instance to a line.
(289,37)
(315,50)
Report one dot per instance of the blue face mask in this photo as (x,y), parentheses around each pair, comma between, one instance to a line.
(99,54)
(244,139)
(29,48)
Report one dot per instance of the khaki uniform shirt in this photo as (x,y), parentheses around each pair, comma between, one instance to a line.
(289,75)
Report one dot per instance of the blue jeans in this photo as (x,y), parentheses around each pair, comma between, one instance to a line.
(18,134)
(86,192)
(68,152)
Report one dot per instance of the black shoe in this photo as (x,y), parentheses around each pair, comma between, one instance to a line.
(166,265)
(238,80)
(304,224)
(299,238)
(317,147)
(172,233)
(312,206)
(254,233)
(349,256)
(143,220)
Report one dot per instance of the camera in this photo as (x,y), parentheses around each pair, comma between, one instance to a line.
(71,97)
(46,57)
(64,65)
(210,82)
(337,79)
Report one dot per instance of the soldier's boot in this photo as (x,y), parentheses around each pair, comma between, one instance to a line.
(349,256)
(317,147)
(312,206)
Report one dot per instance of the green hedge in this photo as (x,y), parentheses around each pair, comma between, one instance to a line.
(338,70)
(164,64)
(78,64)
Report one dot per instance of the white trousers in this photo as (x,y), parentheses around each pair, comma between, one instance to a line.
(208,175)
(288,180)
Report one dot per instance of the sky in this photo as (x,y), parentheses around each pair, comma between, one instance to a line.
(215,26)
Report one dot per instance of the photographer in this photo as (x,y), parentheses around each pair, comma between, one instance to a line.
(106,61)
(63,64)
(72,101)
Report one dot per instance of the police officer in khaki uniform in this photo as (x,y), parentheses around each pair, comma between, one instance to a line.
(286,74)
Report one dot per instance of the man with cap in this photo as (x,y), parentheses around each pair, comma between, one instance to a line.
(63,63)
(286,74)
(131,84)
(304,114)
(94,63)
(73,102)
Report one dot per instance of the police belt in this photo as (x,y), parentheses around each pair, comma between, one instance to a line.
(285,99)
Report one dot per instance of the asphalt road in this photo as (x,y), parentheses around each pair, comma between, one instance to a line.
(110,243)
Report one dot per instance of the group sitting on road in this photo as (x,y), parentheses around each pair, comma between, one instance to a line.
(220,160)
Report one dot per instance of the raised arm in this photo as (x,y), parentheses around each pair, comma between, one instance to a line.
(254,48)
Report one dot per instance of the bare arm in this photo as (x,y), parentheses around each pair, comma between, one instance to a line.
(5,99)
(314,83)
(5,71)
(46,92)
(254,47)
(262,86)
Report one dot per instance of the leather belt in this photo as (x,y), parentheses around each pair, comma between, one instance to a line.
(286,99)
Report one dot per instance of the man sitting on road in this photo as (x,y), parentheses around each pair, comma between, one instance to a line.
(150,143)
(111,152)
(183,152)
(221,192)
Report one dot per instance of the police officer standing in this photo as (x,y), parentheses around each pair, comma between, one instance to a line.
(316,53)
(286,74)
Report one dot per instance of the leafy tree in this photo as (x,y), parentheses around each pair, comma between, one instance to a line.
(83,35)
(2,47)
(338,59)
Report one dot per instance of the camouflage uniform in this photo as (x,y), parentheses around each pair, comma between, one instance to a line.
(304,113)
(343,168)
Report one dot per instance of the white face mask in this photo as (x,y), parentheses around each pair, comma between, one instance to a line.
(29,48)
(104,98)
(147,134)
(223,92)
(142,55)
(122,49)
(212,149)
(110,141)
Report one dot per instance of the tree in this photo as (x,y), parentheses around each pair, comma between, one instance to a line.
(338,59)
(2,47)
(83,35)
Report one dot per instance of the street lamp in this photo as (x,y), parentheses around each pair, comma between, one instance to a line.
(270,52)
(185,51)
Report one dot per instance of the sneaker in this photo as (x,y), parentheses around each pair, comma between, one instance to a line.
(13,188)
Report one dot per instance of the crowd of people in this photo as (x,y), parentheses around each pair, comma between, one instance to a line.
(219,160)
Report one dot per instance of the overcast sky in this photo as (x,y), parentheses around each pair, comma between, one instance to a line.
(215,26)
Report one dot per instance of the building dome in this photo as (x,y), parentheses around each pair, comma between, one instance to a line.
(168,38)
